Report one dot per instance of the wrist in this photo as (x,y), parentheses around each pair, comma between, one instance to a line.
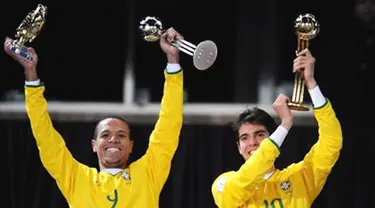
(173,59)
(311,84)
(287,123)
(31,75)
(173,68)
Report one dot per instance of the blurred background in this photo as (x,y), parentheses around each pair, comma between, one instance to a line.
(94,62)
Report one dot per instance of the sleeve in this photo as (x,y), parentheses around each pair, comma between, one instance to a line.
(318,163)
(164,138)
(233,190)
(53,152)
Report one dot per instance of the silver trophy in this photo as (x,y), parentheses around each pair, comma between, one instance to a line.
(204,54)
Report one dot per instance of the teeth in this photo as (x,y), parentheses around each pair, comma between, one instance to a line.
(113,149)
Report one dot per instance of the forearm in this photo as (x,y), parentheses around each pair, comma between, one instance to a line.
(329,125)
(236,187)
(317,97)
(330,140)
(36,108)
(53,152)
(31,75)
(168,126)
(51,145)
(258,165)
(164,138)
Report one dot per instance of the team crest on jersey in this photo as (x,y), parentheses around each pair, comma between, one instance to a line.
(286,186)
(97,182)
(126,176)
(220,184)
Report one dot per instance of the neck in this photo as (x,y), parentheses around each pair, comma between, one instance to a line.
(102,167)
(271,170)
(269,173)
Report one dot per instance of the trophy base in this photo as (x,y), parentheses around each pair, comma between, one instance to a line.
(298,107)
(205,55)
(22,51)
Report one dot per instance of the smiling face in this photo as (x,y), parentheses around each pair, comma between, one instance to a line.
(252,127)
(250,137)
(112,143)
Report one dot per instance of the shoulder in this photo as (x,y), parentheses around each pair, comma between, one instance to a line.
(292,169)
(85,169)
(218,184)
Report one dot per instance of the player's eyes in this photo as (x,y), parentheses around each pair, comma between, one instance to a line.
(261,135)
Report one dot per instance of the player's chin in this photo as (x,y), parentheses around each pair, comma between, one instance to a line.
(112,162)
(246,156)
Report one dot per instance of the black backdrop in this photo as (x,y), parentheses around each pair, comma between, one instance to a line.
(203,153)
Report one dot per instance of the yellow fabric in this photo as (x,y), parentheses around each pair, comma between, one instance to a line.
(295,186)
(84,187)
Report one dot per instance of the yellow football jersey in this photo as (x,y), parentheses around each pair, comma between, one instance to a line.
(137,186)
(295,186)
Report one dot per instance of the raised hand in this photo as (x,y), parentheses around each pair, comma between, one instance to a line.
(283,111)
(305,64)
(28,65)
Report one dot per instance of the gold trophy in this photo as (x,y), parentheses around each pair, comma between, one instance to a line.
(306,28)
(204,54)
(28,30)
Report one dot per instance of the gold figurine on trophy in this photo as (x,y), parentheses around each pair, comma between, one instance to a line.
(28,30)
(204,54)
(307,27)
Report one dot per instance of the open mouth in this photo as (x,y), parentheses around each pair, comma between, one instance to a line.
(251,152)
(112,149)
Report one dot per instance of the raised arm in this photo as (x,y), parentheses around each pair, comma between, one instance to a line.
(54,154)
(164,138)
(318,163)
(233,189)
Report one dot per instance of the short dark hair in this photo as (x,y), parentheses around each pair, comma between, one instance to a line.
(111,117)
(254,115)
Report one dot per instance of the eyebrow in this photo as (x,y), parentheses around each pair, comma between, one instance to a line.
(119,131)
(255,132)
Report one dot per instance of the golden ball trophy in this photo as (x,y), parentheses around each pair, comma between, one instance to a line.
(306,28)
(28,30)
(204,54)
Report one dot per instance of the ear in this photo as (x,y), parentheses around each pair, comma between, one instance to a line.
(93,144)
(131,146)
(239,147)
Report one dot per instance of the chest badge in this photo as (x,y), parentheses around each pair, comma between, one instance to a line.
(286,186)
(126,177)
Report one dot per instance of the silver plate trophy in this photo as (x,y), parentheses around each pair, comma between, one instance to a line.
(28,30)
(204,54)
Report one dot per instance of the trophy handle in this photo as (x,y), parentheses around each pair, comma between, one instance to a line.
(184,46)
(204,55)
(21,50)
(299,83)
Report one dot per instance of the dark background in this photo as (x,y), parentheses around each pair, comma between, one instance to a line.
(82,51)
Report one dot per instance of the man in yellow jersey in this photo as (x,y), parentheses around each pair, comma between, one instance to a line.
(257,183)
(117,184)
